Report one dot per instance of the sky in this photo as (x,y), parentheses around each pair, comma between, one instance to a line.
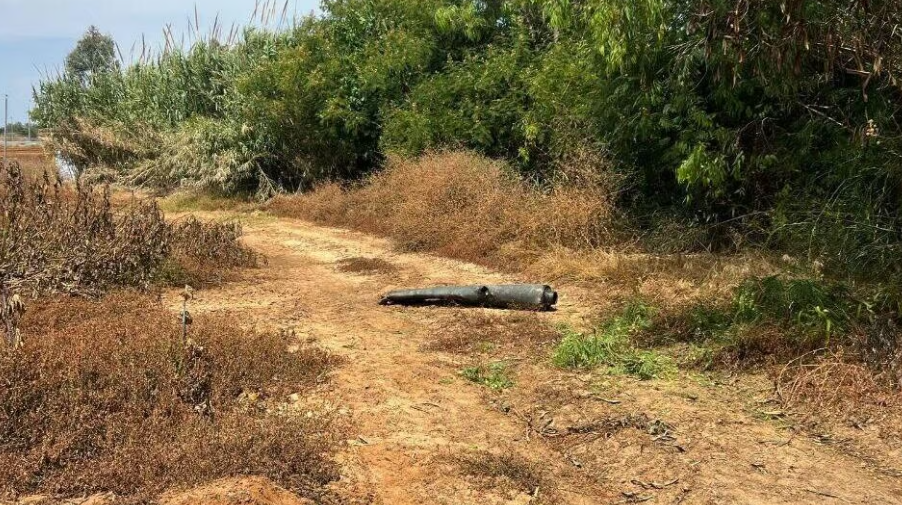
(36,35)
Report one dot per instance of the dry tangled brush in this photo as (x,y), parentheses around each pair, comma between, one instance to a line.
(69,238)
(118,404)
(465,206)
(106,396)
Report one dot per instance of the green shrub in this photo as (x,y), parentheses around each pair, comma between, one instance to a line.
(806,303)
(577,350)
(771,318)
(646,365)
(734,123)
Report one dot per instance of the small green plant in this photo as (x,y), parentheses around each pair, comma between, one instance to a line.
(578,350)
(646,365)
(707,322)
(611,345)
(807,303)
(774,316)
(494,376)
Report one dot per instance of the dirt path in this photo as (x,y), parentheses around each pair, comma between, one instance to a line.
(582,438)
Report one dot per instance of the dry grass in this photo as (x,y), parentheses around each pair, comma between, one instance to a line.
(831,386)
(189,200)
(96,403)
(361,265)
(70,238)
(462,206)
(467,207)
(508,473)
(34,160)
(484,332)
(205,253)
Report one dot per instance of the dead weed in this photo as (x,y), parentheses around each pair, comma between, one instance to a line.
(463,206)
(832,387)
(106,398)
(468,207)
(508,473)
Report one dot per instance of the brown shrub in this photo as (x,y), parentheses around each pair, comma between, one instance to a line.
(96,403)
(463,206)
(67,238)
(70,238)
(468,207)
(205,253)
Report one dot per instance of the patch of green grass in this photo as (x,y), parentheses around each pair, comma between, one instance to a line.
(774,317)
(187,201)
(577,350)
(709,322)
(494,376)
(611,345)
(646,364)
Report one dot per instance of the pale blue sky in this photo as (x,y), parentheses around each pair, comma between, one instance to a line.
(36,35)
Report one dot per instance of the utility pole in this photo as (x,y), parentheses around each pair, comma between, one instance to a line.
(5,126)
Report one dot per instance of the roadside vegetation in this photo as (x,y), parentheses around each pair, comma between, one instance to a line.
(612,345)
(71,238)
(508,472)
(733,128)
(726,171)
(463,206)
(749,125)
(100,391)
(97,404)
(493,375)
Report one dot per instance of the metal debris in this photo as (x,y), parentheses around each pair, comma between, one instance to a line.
(523,296)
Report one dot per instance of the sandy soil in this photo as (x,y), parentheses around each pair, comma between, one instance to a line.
(594,438)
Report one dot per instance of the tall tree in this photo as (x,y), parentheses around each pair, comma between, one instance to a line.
(94,54)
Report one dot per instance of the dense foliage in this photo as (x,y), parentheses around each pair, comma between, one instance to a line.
(750,120)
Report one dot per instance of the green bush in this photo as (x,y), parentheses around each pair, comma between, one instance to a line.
(734,123)
(768,318)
